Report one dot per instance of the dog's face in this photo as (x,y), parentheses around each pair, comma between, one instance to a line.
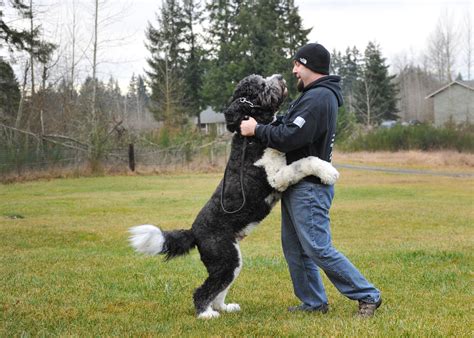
(266,93)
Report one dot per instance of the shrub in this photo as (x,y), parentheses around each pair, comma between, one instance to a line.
(419,137)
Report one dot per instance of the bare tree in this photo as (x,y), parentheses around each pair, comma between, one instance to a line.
(442,47)
(32,61)
(366,96)
(468,43)
(94,60)
(98,122)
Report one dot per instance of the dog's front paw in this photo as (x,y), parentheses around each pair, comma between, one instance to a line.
(208,314)
(327,173)
(280,181)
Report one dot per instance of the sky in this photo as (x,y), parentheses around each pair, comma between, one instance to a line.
(400,27)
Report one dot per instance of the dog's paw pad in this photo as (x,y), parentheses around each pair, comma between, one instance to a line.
(231,307)
(208,314)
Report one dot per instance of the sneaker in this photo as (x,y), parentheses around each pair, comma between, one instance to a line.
(368,309)
(305,308)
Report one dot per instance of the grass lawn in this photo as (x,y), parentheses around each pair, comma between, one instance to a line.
(66,267)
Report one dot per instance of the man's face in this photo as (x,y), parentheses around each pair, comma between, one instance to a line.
(301,73)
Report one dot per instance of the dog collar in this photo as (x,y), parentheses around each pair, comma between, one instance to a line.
(252,105)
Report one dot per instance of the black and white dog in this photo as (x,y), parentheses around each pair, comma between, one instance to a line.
(245,196)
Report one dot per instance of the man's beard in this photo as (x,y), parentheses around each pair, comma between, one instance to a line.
(300,85)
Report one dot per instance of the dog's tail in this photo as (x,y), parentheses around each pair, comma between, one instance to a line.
(151,240)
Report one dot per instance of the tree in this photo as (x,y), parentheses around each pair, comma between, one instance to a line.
(375,93)
(468,44)
(295,36)
(414,84)
(131,105)
(9,92)
(143,97)
(18,39)
(221,67)
(349,68)
(114,99)
(442,48)
(242,45)
(166,64)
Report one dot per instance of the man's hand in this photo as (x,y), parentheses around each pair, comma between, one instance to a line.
(247,127)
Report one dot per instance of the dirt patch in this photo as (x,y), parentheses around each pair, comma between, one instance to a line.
(409,159)
(439,160)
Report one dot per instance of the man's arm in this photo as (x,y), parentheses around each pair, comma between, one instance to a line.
(284,137)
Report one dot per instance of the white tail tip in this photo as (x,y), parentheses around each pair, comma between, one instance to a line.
(147,239)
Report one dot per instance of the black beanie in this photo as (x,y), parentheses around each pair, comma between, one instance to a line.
(315,57)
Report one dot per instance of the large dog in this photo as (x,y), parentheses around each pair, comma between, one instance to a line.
(245,196)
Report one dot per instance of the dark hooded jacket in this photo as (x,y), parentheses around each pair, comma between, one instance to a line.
(309,127)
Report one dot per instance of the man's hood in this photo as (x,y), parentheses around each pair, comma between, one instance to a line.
(331,82)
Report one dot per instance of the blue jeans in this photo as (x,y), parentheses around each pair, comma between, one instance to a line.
(306,240)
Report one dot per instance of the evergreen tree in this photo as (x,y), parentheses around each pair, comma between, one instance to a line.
(336,62)
(142,95)
(9,91)
(27,40)
(221,68)
(194,54)
(167,38)
(19,39)
(251,37)
(137,98)
(131,98)
(375,92)
(350,70)
(167,64)
(114,98)
(295,37)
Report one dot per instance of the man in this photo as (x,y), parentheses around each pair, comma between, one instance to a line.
(308,129)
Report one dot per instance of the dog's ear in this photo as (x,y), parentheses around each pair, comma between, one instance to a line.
(234,114)
(228,115)
(271,95)
(266,96)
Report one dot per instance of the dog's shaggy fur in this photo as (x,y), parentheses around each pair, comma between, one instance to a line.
(281,176)
(215,231)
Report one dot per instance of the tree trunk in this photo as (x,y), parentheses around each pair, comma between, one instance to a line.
(31,52)
(94,62)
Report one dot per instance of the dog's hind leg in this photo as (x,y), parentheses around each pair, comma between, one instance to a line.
(223,262)
(219,302)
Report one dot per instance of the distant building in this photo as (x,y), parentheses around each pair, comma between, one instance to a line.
(453,102)
(212,122)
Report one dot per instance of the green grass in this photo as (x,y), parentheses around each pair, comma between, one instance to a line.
(66,267)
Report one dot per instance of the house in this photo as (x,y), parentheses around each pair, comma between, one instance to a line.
(212,122)
(453,102)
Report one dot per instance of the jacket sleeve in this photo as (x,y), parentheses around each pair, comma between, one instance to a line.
(295,133)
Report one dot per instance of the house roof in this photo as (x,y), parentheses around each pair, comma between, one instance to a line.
(465,84)
(210,116)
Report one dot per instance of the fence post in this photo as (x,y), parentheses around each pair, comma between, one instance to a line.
(131,157)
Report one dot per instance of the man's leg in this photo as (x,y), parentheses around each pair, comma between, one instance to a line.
(310,204)
(307,282)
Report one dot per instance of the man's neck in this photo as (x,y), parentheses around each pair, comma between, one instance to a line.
(314,77)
